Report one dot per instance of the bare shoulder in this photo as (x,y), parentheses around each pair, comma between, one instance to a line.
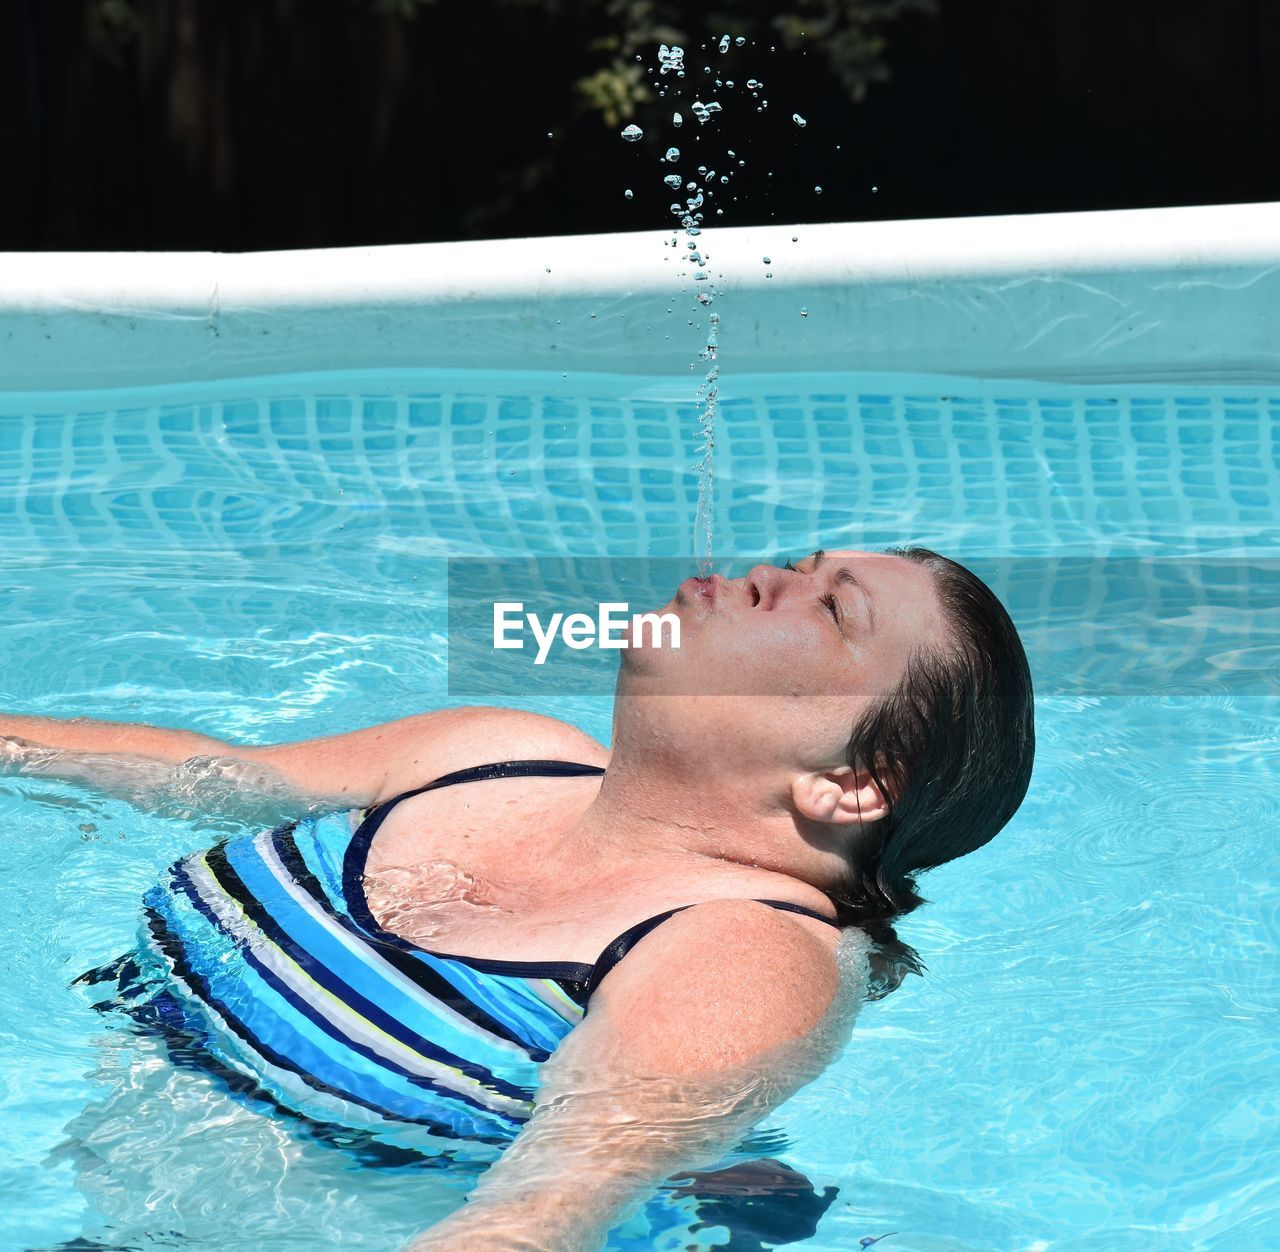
(452,739)
(749,976)
(384,760)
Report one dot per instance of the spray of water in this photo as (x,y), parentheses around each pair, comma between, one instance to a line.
(689,212)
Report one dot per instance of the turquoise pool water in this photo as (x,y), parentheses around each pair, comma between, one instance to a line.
(1091,1061)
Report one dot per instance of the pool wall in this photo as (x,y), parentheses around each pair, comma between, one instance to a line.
(1127,296)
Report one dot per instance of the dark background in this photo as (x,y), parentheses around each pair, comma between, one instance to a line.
(250,124)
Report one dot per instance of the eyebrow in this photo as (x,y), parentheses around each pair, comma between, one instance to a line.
(845,575)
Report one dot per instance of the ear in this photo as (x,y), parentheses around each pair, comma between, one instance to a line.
(841,796)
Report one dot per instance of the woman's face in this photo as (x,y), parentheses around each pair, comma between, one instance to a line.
(811,646)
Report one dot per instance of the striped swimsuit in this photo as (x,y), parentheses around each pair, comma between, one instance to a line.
(263,953)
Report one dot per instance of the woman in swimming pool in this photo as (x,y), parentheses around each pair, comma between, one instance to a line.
(687,888)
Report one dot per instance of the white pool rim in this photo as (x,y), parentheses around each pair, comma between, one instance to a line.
(1185,293)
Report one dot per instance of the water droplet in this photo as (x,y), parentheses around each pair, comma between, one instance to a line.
(548,269)
(724,178)
(817,191)
(632,133)
(671,58)
(753,84)
(672,154)
(549,135)
(677,120)
(795,238)
(767,274)
(728,82)
(799,121)
(719,212)
(804,312)
(677,208)
(673,181)
(627,195)
(731,152)
(741,39)
(875,189)
(766,260)
(724,43)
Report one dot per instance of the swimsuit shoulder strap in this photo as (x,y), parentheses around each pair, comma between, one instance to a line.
(629,938)
(376,815)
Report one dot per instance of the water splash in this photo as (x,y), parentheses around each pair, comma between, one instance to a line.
(708,393)
(689,215)
(670,59)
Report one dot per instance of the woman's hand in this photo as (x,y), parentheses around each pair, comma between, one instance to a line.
(707,1024)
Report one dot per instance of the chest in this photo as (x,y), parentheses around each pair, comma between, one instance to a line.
(471,870)
(498,833)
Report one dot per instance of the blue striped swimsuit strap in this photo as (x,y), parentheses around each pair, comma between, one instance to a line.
(358,849)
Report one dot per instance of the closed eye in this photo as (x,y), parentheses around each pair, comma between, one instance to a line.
(831,603)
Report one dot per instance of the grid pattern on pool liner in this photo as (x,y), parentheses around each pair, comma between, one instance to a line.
(452,471)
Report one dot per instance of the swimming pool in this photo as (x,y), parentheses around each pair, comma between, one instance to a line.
(1091,1059)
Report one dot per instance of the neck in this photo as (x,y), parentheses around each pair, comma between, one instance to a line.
(645,815)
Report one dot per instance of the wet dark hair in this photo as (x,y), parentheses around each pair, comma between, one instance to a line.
(951,749)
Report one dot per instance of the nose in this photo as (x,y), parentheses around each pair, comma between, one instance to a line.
(765,584)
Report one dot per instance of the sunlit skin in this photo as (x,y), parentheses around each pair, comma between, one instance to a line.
(702,770)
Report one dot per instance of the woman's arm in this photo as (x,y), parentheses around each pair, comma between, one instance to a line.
(707,1024)
(151,766)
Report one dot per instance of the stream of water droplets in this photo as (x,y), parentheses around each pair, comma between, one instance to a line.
(696,191)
